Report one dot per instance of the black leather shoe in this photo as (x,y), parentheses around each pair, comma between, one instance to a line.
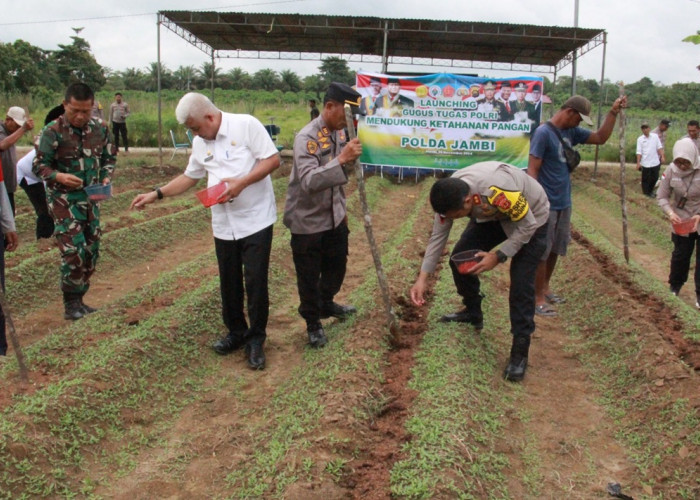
(515,371)
(463,316)
(317,338)
(256,355)
(336,310)
(228,344)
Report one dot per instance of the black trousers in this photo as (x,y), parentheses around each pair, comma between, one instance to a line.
(37,196)
(521,300)
(120,128)
(243,269)
(683,247)
(3,337)
(649,177)
(320,260)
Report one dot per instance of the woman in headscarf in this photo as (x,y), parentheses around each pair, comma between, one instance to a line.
(679,197)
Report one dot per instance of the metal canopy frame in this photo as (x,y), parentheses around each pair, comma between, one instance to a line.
(457,44)
(418,42)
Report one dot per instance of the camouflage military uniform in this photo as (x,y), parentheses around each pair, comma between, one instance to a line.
(87,154)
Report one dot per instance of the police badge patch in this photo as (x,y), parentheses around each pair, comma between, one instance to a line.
(511,203)
(311,147)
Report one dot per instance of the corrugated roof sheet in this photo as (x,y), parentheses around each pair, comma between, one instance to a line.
(415,38)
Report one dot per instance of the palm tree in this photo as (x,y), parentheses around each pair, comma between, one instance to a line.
(266,79)
(239,78)
(290,81)
(185,77)
(204,74)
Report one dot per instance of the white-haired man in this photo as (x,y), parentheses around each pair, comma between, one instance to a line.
(237,150)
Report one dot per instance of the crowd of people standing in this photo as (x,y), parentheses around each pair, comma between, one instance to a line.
(521,215)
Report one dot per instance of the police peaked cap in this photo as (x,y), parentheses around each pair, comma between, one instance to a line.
(343,93)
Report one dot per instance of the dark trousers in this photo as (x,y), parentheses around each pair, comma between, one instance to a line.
(649,177)
(120,128)
(243,269)
(683,247)
(37,196)
(485,236)
(3,337)
(320,260)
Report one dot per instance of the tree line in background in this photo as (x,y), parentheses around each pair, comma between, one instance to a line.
(43,74)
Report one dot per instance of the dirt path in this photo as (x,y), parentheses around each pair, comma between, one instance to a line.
(210,436)
(562,434)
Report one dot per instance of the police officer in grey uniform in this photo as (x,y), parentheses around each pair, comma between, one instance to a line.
(315,210)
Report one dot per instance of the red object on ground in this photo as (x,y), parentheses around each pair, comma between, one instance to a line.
(209,196)
(683,227)
(466,260)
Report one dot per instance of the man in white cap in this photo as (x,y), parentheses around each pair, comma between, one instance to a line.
(11,130)
(547,164)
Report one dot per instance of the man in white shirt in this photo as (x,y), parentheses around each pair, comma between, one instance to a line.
(237,150)
(650,154)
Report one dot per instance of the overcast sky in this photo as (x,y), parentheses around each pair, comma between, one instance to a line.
(644,36)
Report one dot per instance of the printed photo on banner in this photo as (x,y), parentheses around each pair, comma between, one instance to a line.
(446,121)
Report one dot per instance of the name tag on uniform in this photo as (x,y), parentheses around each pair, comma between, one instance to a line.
(209,158)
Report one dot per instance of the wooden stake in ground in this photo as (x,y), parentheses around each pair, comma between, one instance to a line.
(623,191)
(23,373)
(392,322)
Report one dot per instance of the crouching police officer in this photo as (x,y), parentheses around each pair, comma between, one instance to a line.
(506,207)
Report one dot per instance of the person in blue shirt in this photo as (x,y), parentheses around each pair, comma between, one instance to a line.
(547,164)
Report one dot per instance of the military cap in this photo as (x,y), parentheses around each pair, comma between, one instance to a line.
(490,85)
(343,93)
(475,86)
(521,86)
(54,113)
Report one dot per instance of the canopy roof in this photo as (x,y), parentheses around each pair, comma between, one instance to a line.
(457,44)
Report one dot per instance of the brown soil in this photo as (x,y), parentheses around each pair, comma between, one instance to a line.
(572,435)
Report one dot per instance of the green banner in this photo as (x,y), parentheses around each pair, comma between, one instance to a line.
(446,121)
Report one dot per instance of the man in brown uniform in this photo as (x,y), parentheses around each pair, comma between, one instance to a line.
(315,210)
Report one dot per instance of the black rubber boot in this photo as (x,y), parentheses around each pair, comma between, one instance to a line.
(73,306)
(86,308)
(517,365)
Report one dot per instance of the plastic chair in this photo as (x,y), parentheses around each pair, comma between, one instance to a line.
(178,145)
(190,137)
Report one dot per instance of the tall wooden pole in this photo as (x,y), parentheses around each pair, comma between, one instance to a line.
(13,339)
(623,190)
(392,322)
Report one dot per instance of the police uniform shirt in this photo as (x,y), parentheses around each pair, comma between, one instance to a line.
(315,196)
(240,143)
(499,192)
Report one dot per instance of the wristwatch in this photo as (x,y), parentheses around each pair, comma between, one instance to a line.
(159,193)
(501,257)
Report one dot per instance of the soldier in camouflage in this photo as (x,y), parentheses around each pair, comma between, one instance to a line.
(74,151)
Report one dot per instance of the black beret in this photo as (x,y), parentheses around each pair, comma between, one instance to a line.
(343,93)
